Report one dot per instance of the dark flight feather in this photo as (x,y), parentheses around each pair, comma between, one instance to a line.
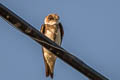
(61,30)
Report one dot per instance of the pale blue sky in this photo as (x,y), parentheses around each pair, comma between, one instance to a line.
(92,33)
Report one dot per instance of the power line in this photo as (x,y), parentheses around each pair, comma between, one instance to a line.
(64,55)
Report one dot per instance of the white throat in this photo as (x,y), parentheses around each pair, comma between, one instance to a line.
(51,22)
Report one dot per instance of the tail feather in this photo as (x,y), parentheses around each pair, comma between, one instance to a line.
(48,72)
(49,67)
(51,74)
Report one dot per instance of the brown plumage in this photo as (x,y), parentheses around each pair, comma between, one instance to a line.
(54,31)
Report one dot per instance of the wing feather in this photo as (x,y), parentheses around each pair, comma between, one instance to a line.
(42,30)
(61,30)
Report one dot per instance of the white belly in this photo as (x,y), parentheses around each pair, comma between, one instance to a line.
(50,35)
(47,54)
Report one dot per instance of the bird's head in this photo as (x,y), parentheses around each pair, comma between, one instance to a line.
(52,19)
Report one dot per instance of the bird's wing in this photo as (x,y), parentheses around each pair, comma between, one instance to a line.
(42,30)
(61,30)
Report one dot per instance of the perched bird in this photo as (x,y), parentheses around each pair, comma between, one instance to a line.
(52,29)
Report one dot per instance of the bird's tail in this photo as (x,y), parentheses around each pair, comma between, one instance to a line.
(49,71)
(49,60)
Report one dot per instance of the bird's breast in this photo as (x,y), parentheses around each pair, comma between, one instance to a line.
(50,34)
(54,35)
